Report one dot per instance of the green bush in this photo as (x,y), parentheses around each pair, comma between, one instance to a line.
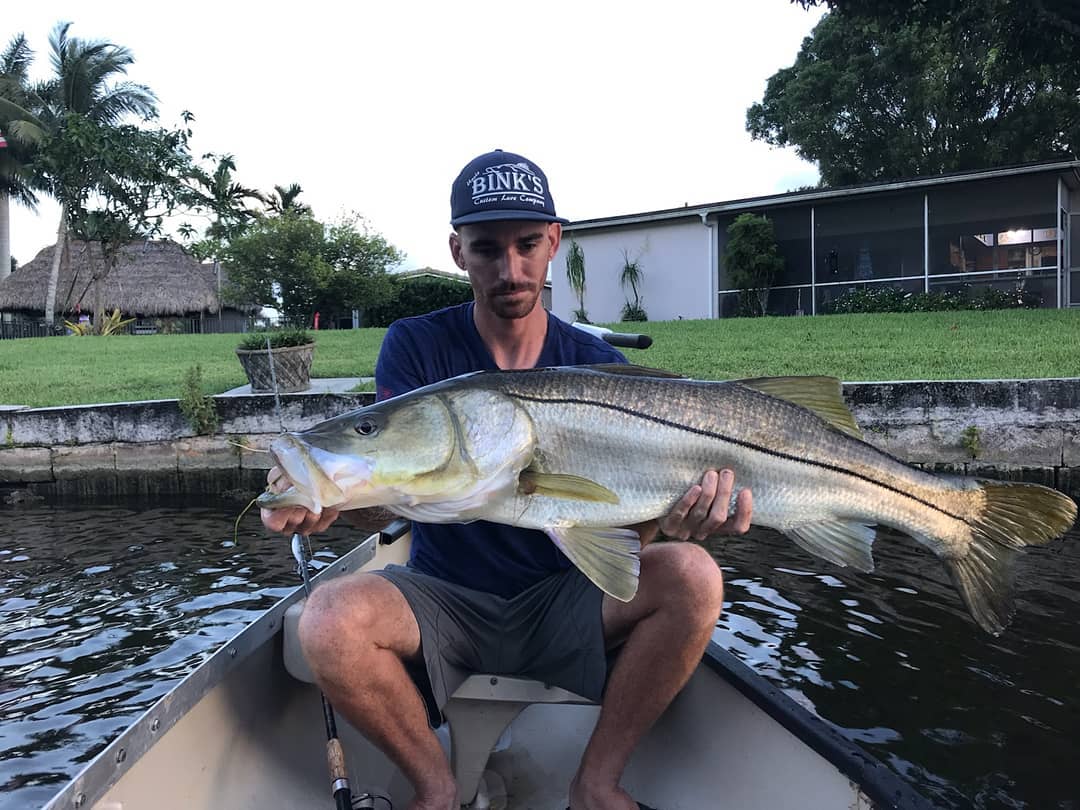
(752,261)
(418,295)
(280,338)
(895,299)
(198,409)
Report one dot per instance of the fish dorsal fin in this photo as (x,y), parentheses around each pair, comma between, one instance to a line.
(822,395)
(569,487)
(630,370)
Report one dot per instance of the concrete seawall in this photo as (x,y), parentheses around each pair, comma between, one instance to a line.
(1016,429)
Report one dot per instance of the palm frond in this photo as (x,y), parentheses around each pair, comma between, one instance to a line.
(16,59)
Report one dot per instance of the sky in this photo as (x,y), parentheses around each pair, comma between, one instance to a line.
(373,108)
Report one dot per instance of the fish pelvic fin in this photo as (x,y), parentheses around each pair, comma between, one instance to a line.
(608,557)
(558,485)
(1010,517)
(822,395)
(841,543)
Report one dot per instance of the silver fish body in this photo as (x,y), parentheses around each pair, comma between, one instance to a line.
(577,452)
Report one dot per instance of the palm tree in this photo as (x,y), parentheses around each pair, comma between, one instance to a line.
(226,199)
(21,131)
(285,200)
(575,276)
(84,84)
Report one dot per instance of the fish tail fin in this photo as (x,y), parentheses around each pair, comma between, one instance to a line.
(1009,518)
(608,557)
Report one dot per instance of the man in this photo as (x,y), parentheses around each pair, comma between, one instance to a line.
(388,648)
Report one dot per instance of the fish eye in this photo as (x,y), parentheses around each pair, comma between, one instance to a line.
(366,426)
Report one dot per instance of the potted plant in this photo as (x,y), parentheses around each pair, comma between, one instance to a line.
(290,353)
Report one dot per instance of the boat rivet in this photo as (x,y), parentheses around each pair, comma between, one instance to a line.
(80,800)
(121,755)
(232,652)
(155,724)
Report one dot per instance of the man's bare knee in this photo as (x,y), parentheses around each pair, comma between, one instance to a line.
(356,614)
(695,575)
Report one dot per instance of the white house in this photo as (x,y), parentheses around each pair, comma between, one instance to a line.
(1006,228)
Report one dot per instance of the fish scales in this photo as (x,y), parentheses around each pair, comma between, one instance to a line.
(651,450)
(580,452)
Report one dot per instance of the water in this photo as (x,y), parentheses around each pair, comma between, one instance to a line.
(893,660)
(104,608)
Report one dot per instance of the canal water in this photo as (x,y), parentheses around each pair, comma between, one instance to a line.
(103,608)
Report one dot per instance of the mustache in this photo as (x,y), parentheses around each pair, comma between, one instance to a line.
(505,289)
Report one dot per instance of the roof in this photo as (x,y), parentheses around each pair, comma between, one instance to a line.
(152,278)
(431,271)
(824,194)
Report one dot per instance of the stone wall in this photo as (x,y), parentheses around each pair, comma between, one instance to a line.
(1017,429)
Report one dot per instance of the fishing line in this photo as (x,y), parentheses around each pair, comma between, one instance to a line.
(335,756)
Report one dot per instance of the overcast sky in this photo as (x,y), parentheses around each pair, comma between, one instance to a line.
(374,107)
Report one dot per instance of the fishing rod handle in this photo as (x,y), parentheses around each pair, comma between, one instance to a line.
(339,778)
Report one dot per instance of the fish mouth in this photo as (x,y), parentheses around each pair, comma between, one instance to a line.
(321,477)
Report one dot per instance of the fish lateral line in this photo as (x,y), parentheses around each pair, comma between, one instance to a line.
(741,443)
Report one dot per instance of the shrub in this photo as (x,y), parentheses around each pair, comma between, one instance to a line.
(752,261)
(417,295)
(894,299)
(280,338)
(198,409)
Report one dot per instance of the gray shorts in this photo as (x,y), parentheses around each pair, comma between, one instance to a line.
(553,633)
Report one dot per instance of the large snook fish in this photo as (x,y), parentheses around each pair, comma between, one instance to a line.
(578,452)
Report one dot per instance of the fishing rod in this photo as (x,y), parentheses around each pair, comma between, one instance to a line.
(335,756)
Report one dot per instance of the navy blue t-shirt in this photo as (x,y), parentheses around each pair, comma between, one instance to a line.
(490,557)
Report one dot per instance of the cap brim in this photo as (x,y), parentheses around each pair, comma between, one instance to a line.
(496,216)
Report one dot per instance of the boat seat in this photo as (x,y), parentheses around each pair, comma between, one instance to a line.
(478,712)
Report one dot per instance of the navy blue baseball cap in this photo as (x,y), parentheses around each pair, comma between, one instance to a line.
(501,185)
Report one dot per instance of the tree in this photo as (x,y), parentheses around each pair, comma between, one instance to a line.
(20,132)
(84,86)
(219,195)
(285,200)
(752,261)
(632,275)
(301,266)
(134,178)
(886,93)
(575,276)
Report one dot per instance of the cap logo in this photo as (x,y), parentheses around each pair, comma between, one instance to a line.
(507,182)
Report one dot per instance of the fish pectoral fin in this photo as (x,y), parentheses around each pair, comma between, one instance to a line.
(844,544)
(608,557)
(822,395)
(569,487)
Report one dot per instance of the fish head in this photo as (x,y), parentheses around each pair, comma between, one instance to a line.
(403,451)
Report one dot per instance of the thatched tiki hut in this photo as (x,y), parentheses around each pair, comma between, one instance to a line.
(157,282)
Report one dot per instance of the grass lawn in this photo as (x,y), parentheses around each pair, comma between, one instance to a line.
(935,345)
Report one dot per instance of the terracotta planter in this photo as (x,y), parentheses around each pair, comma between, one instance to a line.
(292,366)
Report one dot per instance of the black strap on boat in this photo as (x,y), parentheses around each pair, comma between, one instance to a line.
(335,756)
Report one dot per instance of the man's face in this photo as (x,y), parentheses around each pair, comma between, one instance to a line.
(506,262)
